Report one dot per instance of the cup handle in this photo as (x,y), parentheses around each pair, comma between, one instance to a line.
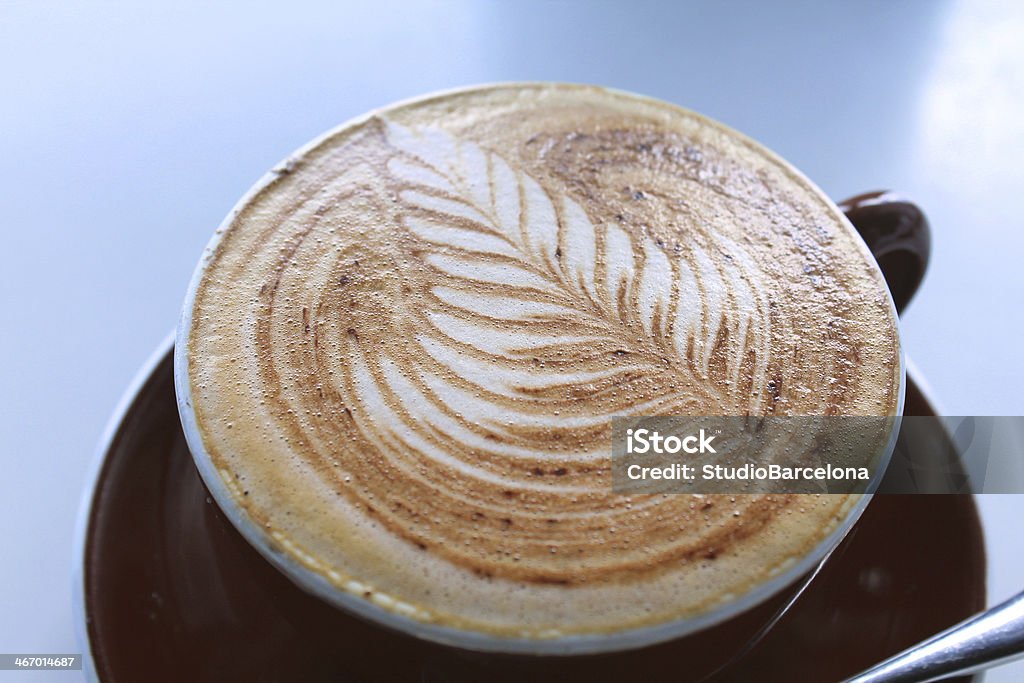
(896,231)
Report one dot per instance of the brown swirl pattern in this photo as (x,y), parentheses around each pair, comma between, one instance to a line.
(406,352)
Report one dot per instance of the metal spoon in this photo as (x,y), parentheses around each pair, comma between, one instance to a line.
(993,637)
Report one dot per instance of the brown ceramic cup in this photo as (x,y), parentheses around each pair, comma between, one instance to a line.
(894,231)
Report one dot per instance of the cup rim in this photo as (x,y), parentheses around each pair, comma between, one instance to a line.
(575,644)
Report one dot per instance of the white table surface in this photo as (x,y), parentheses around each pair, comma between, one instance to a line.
(127,131)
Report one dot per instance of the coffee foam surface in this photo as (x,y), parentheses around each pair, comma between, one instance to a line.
(406,349)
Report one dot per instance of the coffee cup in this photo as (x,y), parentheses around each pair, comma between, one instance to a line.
(399,354)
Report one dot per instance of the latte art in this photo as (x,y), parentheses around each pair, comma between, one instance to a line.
(406,350)
(551,307)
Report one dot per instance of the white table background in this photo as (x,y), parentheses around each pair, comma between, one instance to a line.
(127,131)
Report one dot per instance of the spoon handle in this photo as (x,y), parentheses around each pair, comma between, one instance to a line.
(993,637)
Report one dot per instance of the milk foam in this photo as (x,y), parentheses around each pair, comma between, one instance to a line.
(406,351)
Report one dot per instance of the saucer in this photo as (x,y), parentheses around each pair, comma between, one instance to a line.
(167,590)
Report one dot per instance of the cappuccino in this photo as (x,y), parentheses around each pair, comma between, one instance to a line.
(405,350)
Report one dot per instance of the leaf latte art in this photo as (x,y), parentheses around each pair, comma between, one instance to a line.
(406,347)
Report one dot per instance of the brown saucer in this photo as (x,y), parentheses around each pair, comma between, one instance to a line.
(170,591)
